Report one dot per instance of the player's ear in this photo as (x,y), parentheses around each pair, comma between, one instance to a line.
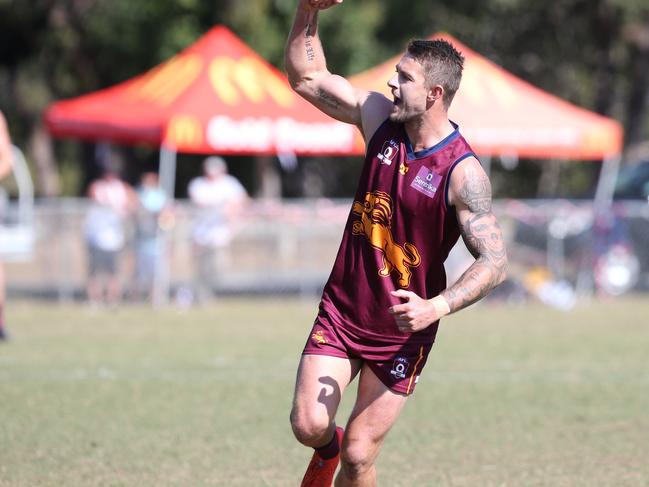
(435,92)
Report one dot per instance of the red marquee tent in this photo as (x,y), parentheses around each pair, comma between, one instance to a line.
(501,114)
(216,96)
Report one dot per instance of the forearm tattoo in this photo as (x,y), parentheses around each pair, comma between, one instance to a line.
(483,238)
(308,43)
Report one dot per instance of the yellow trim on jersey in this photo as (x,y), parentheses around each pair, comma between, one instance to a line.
(414,371)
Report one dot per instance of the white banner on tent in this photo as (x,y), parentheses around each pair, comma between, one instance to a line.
(279,135)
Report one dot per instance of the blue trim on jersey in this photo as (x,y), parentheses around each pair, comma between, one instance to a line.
(427,152)
(448,178)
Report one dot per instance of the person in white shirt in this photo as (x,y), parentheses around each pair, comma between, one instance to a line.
(219,200)
(112,202)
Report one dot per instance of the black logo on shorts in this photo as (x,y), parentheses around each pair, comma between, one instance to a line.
(400,368)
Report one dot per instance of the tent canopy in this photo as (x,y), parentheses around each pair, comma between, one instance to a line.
(501,114)
(219,96)
(216,96)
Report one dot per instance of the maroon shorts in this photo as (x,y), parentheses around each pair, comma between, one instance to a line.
(397,365)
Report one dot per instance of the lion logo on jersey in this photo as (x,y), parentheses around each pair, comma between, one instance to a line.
(375,223)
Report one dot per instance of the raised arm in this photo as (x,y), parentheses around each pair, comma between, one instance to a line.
(470,193)
(308,74)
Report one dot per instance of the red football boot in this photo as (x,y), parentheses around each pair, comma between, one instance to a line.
(320,472)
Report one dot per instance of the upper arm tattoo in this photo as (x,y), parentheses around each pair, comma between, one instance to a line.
(483,238)
(328,99)
(476,192)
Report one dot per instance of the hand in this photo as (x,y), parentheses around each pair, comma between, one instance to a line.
(321,4)
(415,314)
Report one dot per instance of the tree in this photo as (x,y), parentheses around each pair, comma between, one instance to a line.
(592,52)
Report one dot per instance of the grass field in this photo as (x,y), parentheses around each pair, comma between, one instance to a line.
(522,396)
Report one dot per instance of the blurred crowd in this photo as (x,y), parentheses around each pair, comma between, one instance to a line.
(219,200)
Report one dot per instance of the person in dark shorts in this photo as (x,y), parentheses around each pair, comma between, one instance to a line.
(421,188)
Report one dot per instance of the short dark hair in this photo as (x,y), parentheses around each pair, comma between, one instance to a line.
(442,64)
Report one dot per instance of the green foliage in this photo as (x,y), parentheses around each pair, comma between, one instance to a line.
(587,51)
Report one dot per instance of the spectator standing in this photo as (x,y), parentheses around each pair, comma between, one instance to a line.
(219,201)
(112,202)
(152,212)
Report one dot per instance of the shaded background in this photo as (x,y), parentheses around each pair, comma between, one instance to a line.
(594,53)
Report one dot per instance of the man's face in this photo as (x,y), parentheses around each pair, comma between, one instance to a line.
(409,90)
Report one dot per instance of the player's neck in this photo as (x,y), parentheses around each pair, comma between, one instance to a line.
(428,131)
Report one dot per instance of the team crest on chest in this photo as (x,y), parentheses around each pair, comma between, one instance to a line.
(388,152)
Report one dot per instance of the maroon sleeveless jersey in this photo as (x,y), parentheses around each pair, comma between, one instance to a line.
(398,234)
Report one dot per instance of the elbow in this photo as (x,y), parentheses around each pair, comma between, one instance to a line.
(295,82)
(296,78)
(299,84)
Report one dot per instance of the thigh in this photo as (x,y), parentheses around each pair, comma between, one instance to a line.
(376,410)
(321,381)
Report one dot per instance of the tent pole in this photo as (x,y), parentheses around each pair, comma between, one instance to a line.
(601,203)
(606,184)
(162,275)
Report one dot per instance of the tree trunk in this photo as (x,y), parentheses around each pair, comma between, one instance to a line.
(269,180)
(42,154)
(607,25)
(638,82)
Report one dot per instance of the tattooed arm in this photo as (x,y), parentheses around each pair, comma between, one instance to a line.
(470,193)
(308,74)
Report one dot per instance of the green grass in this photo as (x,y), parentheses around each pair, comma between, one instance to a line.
(510,397)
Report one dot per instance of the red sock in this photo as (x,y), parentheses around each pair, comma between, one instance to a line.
(331,449)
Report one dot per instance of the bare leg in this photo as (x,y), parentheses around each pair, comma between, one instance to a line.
(376,410)
(93,289)
(113,290)
(321,381)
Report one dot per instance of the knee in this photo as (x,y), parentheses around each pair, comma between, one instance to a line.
(357,459)
(309,428)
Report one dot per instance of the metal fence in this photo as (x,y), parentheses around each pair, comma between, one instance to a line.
(289,247)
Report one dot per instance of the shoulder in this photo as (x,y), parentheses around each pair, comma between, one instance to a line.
(375,109)
(469,184)
(232,183)
(196,182)
(196,187)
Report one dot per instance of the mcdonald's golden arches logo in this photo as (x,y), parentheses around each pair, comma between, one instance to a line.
(164,84)
(247,77)
(184,131)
